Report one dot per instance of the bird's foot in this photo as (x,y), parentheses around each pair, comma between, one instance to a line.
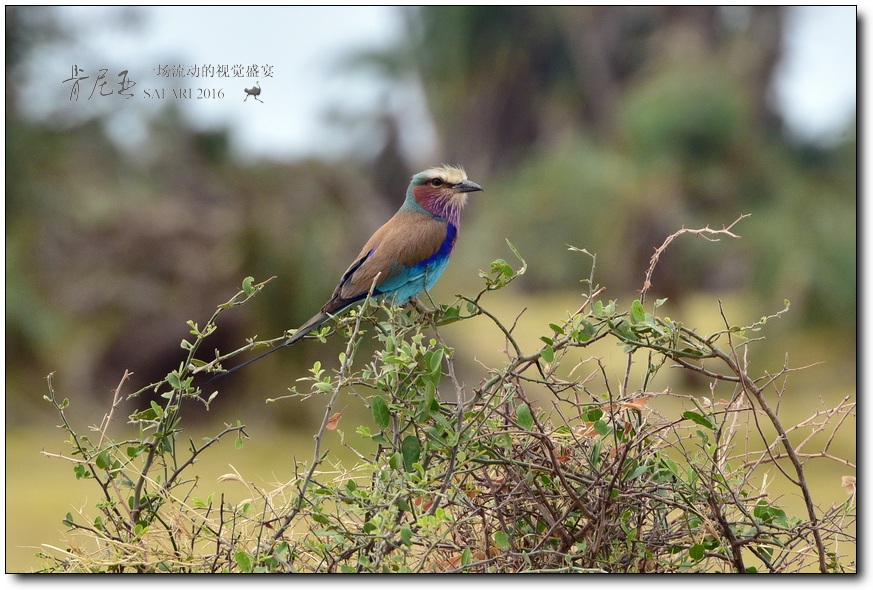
(420,307)
(426,314)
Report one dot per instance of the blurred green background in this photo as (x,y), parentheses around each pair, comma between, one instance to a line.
(602,128)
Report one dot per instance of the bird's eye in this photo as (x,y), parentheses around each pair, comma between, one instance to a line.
(436,182)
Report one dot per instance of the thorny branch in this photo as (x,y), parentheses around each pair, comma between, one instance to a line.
(704,233)
(491,482)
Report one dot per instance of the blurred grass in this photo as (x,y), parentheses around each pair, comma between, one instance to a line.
(40,490)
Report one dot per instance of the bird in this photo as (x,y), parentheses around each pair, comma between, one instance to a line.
(406,255)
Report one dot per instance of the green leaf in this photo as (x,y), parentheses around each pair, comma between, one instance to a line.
(501,539)
(207,503)
(585,331)
(641,469)
(601,427)
(637,312)
(769,513)
(698,419)
(394,461)
(247,285)
(466,557)
(406,535)
(622,328)
(173,380)
(380,411)
(593,415)
(450,314)
(670,465)
(103,460)
(244,561)
(558,329)
(411,449)
(524,417)
(548,354)
(517,255)
(427,401)
(696,552)
(436,361)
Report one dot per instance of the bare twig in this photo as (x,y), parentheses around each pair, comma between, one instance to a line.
(704,233)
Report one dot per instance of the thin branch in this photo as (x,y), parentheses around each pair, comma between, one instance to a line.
(704,233)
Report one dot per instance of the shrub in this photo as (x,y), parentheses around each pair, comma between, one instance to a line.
(591,479)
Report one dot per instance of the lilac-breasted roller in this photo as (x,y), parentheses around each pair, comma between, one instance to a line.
(406,255)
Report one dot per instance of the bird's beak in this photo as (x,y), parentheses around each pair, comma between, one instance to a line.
(468,186)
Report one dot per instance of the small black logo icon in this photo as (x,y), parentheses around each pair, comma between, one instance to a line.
(254,92)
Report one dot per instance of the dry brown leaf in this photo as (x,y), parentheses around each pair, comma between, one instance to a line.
(848,484)
(334,421)
(638,403)
(586,430)
(614,451)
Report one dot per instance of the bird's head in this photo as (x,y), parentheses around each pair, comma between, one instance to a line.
(441,191)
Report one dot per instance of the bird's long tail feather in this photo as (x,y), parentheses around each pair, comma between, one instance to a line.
(310,325)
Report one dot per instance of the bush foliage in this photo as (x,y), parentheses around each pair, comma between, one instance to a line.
(591,478)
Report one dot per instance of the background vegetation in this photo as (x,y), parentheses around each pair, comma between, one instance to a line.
(603,128)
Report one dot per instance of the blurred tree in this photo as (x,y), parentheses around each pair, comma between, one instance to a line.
(610,127)
(503,80)
(602,127)
(108,255)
